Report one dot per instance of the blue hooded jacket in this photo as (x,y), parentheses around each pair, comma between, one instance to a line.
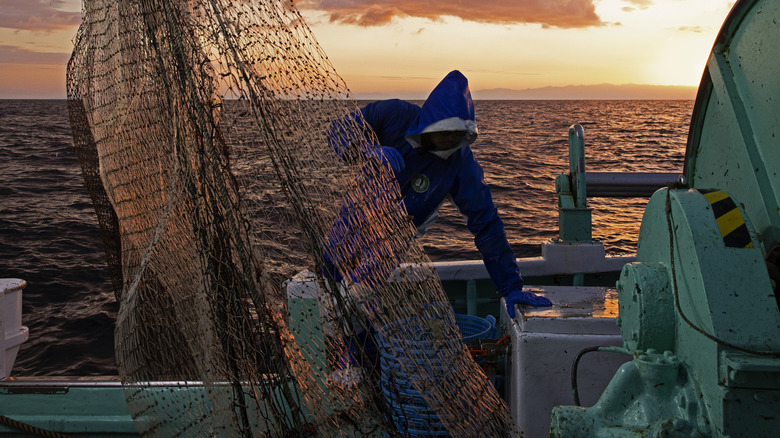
(428,178)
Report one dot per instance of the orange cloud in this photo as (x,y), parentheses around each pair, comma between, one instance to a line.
(549,13)
(37,15)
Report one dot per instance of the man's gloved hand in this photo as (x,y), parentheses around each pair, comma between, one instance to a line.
(517,296)
(389,156)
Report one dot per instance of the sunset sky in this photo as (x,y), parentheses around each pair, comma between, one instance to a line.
(403,47)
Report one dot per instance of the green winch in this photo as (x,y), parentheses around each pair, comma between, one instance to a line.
(699,310)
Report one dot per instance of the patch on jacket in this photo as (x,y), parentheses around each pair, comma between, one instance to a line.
(420,183)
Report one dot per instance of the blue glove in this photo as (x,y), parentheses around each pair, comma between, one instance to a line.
(517,296)
(389,157)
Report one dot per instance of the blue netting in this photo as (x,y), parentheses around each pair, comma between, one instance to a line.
(410,413)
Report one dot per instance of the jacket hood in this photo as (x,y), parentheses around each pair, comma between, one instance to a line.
(448,108)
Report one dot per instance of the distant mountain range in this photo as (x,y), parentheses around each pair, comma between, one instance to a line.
(573,92)
(591,92)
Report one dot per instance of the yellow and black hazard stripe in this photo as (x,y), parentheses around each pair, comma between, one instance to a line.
(730,221)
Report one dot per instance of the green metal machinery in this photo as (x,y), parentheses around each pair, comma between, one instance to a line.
(699,310)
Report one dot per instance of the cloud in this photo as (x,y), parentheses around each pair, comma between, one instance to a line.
(37,15)
(549,13)
(696,29)
(641,4)
(20,55)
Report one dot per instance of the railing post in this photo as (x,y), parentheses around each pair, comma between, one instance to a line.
(471,297)
(574,216)
(577,165)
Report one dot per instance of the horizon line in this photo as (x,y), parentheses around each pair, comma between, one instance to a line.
(376,97)
(604,91)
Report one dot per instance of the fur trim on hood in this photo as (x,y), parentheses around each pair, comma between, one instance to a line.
(448,108)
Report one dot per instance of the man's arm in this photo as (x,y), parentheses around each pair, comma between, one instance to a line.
(474,200)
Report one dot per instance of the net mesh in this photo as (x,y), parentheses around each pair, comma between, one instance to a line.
(205,132)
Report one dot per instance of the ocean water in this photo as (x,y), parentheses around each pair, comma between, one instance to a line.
(49,235)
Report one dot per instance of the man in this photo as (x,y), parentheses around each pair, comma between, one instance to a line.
(429,151)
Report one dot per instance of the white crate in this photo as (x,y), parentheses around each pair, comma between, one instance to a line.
(546,340)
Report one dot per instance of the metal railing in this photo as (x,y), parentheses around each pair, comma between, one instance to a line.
(626,184)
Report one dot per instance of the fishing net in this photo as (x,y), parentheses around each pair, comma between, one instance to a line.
(206,134)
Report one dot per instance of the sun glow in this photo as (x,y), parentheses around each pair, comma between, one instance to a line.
(665,43)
